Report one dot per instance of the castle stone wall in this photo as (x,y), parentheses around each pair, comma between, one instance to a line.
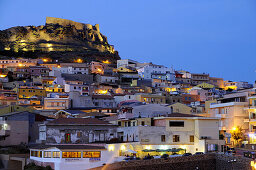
(66,22)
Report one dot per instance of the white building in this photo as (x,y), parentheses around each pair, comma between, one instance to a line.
(153,71)
(126,63)
(77,157)
(194,133)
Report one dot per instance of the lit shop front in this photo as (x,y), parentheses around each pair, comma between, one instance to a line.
(65,157)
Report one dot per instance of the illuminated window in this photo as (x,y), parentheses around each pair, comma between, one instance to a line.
(91,154)
(56,154)
(47,154)
(191,138)
(36,153)
(71,154)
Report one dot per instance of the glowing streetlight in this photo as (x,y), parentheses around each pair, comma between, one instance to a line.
(234,129)
(79,60)
(106,62)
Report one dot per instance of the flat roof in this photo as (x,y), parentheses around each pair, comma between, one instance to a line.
(68,146)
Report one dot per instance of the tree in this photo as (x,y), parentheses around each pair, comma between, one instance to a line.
(237,134)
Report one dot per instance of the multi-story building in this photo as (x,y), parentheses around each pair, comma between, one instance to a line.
(217,82)
(231,111)
(76,131)
(151,98)
(189,132)
(197,78)
(236,85)
(153,71)
(19,63)
(28,92)
(56,103)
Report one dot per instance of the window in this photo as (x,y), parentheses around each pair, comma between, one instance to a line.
(119,123)
(176,138)
(191,138)
(36,153)
(71,154)
(133,123)
(162,138)
(176,123)
(91,154)
(79,134)
(47,154)
(55,154)
(142,123)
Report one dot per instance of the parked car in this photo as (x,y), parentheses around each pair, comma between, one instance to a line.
(157,156)
(165,156)
(249,154)
(187,154)
(174,155)
(199,153)
(130,159)
(232,150)
(148,157)
(228,153)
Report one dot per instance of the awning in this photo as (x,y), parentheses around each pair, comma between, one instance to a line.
(130,151)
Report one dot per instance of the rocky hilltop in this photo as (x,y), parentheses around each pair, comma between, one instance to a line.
(60,39)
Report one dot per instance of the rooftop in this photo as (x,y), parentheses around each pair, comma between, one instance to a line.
(78,121)
(68,146)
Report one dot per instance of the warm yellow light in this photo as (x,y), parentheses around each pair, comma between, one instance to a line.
(49,45)
(147,147)
(123,148)
(111,148)
(230,87)
(234,128)
(183,147)
(20,65)
(24,49)
(45,60)
(106,62)
(103,91)
(7,48)
(50,49)
(58,66)
(22,40)
(2,75)
(99,70)
(79,60)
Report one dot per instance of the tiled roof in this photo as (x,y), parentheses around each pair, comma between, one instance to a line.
(78,121)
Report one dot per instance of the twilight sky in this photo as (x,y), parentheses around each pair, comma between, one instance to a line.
(216,37)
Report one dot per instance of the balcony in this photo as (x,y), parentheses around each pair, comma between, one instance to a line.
(228,104)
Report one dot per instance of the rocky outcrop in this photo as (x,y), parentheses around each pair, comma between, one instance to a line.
(57,36)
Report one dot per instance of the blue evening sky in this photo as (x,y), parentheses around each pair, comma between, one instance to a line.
(212,36)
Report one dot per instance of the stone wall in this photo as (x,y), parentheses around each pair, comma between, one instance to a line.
(225,162)
(66,22)
(207,161)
